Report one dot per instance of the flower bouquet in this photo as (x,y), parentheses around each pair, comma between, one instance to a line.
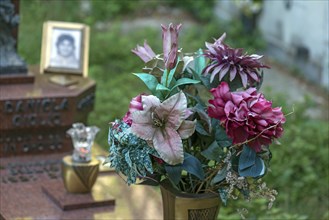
(203,127)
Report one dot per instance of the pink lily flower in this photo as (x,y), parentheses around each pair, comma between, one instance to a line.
(163,125)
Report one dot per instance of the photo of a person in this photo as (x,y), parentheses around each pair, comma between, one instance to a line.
(65,51)
(65,48)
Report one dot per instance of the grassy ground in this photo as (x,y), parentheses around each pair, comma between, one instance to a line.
(300,164)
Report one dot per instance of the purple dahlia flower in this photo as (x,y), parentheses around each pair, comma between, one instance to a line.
(246,115)
(229,61)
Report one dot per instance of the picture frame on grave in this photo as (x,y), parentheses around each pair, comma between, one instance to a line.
(65,48)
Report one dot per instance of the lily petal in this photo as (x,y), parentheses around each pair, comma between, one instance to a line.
(149,102)
(173,110)
(142,125)
(168,144)
(186,129)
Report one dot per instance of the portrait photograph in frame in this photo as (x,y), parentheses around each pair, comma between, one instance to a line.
(65,48)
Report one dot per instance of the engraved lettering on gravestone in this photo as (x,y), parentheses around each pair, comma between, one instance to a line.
(36,106)
(19,138)
(39,143)
(26,148)
(8,107)
(10,148)
(86,102)
(27,110)
(10,62)
(19,106)
(24,172)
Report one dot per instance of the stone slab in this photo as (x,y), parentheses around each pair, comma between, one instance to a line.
(16,79)
(69,201)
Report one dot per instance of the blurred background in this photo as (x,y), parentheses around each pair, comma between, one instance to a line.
(293,36)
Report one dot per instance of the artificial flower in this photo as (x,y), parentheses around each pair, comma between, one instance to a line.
(170,45)
(157,140)
(145,53)
(232,62)
(246,115)
(135,104)
(164,125)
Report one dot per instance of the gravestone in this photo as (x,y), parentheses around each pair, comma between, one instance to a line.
(35,113)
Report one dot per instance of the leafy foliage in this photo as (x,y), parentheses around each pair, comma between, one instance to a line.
(129,154)
(250,164)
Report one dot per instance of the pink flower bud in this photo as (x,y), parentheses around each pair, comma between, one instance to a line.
(170,44)
(135,105)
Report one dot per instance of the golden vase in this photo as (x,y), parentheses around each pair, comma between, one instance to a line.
(185,206)
(79,177)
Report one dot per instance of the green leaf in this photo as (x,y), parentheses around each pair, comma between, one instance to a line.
(161,87)
(179,67)
(192,165)
(168,77)
(174,173)
(220,176)
(199,128)
(258,169)
(128,160)
(247,158)
(235,84)
(260,83)
(184,81)
(205,119)
(199,62)
(204,93)
(150,81)
(250,164)
(172,72)
(195,74)
(164,77)
(213,152)
(150,180)
(223,195)
(204,79)
(221,137)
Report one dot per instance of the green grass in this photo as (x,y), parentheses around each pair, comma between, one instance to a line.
(299,164)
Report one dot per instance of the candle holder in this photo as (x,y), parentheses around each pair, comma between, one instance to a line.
(80,170)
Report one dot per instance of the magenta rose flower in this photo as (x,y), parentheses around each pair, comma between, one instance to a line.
(246,115)
(232,62)
(135,104)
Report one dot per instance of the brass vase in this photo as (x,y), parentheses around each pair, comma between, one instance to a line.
(185,206)
(79,177)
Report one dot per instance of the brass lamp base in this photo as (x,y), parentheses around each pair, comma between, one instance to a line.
(79,177)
